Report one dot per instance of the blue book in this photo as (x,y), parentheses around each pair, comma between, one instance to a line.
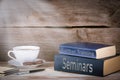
(87,49)
(80,65)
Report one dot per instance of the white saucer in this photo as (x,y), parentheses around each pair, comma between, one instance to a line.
(18,65)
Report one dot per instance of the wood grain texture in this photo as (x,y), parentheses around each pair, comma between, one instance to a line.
(39,13)
(27,22)
(47,38)
(51,74)
(113,77)
(103,35)
(113,7)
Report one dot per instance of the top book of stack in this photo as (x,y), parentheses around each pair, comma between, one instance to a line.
(87,49)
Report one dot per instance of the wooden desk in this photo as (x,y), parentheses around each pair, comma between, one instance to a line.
(50,74)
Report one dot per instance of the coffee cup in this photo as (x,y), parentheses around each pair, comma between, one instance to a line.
(24,53)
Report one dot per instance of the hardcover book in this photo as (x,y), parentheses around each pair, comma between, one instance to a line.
(80,65)
(86,49)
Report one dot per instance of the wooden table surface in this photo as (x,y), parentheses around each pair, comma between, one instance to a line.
(50,74)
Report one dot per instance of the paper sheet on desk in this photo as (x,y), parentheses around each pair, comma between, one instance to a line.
(49,72)
(2,69)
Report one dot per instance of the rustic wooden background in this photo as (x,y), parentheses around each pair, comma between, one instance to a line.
(49,23)
(60,13)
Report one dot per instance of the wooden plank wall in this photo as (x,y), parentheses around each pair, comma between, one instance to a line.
(49,23)
(49,39)
(59,13)
(101,35)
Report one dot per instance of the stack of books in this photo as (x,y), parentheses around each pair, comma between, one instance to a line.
(87,58)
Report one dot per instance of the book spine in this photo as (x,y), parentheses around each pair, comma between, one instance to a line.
(78,65)
(77,52)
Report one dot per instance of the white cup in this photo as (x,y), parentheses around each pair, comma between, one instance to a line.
(24,53)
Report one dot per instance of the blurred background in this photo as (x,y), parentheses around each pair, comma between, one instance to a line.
(49,23)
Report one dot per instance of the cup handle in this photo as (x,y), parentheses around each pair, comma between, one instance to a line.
(9,54)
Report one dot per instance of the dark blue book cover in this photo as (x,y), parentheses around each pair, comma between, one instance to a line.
(80,65)
(87,49)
